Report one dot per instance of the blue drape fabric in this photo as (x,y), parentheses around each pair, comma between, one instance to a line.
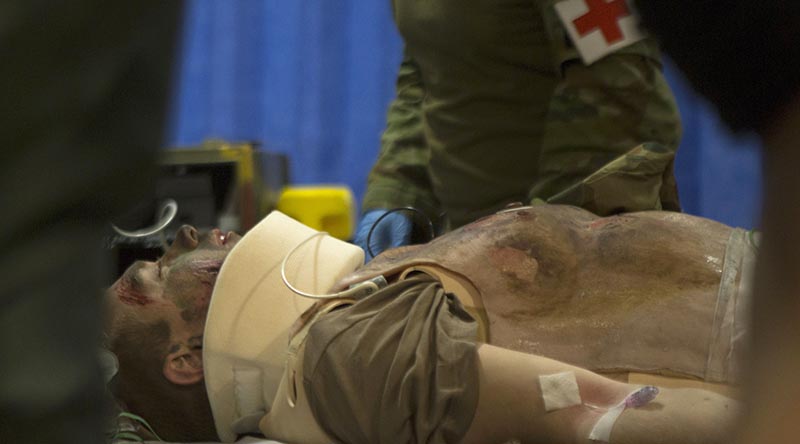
(313,79)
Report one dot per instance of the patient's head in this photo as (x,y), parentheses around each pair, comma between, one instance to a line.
(156,316)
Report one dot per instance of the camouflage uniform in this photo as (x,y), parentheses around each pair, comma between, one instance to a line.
(495,106)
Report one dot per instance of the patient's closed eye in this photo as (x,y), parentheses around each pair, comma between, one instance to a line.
(195,343)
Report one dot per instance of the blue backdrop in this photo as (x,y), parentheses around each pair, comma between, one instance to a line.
(313,78)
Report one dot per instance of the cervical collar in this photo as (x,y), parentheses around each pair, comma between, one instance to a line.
(252,311)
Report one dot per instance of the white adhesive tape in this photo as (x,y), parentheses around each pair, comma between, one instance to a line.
(602,429)
(559,391)
(247,390)
(637,398)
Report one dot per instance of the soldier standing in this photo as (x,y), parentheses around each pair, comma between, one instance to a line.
(507,101)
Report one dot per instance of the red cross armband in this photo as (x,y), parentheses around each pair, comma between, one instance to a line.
(599,27)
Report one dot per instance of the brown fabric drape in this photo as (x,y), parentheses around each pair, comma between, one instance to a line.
(397,367)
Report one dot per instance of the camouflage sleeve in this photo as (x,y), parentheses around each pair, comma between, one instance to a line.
(611,132)
(639,180)
(400,175)
(612,135)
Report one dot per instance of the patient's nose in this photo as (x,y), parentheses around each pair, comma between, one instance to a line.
(185,238)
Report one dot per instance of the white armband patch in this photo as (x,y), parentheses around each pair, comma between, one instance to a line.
(599,27)
(559,391)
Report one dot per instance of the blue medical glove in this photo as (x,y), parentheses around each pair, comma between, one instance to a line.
(394,230)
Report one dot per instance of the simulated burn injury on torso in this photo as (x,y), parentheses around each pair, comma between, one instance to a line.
(636,292)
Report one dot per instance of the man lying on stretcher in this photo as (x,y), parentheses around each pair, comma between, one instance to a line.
(214,340)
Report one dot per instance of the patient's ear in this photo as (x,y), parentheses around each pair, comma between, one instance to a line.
(184,366)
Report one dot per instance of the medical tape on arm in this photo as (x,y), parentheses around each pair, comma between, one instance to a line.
(640,397)
(559,391)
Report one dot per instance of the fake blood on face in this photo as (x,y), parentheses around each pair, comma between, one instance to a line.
(127,295)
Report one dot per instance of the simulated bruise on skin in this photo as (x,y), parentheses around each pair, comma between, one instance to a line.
(515,264)
(626,243)
(607,222)
(207,271)
(128,295)
(196,311)
(129,289)
(188,285)
(208,265)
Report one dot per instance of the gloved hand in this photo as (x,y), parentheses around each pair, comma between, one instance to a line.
(394,230)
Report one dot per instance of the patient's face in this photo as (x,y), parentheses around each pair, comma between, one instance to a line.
(176,288)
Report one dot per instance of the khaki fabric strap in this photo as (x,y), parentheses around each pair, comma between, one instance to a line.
(463,289)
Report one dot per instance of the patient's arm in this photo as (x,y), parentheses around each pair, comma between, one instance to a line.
(511,407)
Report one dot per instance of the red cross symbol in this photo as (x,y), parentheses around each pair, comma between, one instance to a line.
(603,15)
